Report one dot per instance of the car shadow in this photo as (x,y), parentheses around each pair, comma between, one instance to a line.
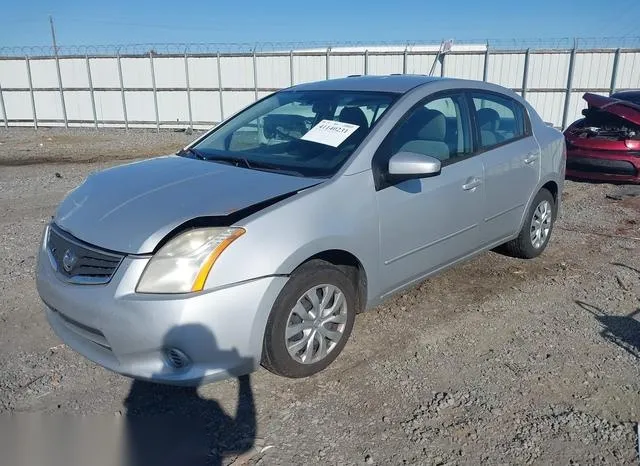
(623,331)
(413,186)
(171,425)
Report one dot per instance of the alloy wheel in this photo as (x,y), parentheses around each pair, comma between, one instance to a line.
(316,323)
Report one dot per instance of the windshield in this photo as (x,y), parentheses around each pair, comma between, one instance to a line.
(303,133)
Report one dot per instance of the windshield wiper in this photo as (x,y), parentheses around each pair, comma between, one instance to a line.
(240,161)
(274,169)
(231,160)
(195,152)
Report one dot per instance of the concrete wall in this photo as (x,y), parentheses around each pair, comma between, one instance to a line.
(201,90)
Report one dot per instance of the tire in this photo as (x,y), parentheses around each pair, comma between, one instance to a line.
(524,246)
(314,279)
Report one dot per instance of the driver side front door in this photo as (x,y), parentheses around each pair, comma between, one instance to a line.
(428,223)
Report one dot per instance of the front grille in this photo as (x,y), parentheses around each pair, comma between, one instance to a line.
(79,262)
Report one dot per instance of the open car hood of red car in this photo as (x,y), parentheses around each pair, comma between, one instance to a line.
(621,108)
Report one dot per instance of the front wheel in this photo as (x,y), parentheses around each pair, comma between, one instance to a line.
(310,322)
(536,231)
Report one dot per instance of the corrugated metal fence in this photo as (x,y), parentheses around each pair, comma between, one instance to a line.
(200,89)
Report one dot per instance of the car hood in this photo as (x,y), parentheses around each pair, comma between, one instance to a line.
(621,108)
(131,208)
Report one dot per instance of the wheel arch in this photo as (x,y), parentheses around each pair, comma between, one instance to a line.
(550,185)
(349,264)
(553,188)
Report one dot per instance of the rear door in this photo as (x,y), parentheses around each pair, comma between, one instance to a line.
(511,158)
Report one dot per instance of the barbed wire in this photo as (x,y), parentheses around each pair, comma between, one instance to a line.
(248,47)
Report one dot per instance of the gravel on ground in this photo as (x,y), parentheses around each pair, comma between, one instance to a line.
(494,361)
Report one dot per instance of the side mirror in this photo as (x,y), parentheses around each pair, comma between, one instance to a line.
(406,165)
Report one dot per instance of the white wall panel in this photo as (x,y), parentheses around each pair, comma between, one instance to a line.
(593,70)
(548,70)
(262,94)
(74,72)
(140,106)
(136,72)
(345,65)
(309,68)
(170,72)
(237,71)
(109,105)
(421,64)
(577,104)
(628,71)
(48,105)
(236,100)
(203,72)
(549,105)
(78,105)
(104,72)
(205,106)
(44,74)
(18,105)
(464,66)
(507,69)
(385,64)
(274,72)
(13,73)
(173,106)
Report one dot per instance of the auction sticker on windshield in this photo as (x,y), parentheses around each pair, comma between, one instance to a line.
(329,132)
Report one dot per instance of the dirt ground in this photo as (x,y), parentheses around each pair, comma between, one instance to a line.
(495,361)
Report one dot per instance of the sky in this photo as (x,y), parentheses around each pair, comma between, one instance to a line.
(26,22)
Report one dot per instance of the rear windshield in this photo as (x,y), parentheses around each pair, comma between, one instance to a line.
(303,133)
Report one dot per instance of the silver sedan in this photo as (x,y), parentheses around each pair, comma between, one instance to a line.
(260,242)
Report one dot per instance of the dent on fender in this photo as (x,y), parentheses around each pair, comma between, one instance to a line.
(224,220)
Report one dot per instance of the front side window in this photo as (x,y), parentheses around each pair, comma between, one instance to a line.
(437,128)
(274,134)
(500,119)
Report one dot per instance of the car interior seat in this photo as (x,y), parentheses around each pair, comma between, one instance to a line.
(489,123)
(355,116)
(425,133)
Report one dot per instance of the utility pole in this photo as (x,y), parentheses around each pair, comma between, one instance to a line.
(61,89)
(53,36)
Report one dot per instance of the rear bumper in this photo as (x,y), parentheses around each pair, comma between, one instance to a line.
(603,165)
(220,331)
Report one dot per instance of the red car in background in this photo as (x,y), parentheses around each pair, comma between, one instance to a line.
(605,144)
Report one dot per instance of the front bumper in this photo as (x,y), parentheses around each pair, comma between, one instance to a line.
(220,331)
(603,165)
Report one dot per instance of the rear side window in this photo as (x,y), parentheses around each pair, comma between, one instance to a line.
(500,119)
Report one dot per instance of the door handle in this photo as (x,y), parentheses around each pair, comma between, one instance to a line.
(531,157)
(471,183)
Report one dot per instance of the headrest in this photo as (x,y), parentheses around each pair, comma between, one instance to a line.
(488,119)
(355,116)
(434,127)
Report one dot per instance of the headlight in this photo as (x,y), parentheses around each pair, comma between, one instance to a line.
(183,264)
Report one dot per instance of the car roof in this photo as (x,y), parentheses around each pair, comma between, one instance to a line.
(395,83)
(631,95)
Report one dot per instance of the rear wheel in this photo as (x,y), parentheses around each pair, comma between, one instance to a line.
(536,231)
(310,322)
